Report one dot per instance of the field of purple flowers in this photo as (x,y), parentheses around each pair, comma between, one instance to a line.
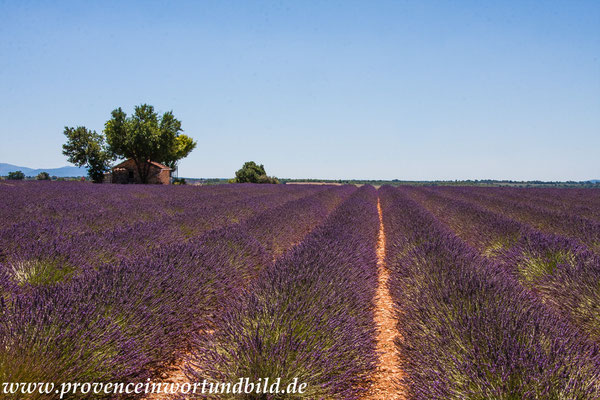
(496,291)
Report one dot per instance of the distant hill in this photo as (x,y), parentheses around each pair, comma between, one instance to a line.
(60,172)
(594,180)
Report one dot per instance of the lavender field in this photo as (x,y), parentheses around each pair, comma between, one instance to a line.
(494,292)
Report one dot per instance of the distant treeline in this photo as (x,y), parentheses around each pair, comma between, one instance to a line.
(469,182)
(393,182)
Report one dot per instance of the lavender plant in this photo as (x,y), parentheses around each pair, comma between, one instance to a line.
(307,316)
(561,271)
(121,303)
(527,210)
(469,330)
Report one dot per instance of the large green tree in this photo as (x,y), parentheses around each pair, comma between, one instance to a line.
(86,148)
(144,136)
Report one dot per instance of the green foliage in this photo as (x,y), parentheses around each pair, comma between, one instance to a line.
(179,181)
(182,146)
(16,175)
(41,272)
(43,176)
(145,136)
(253,173)
(536,267)
(267,179)
(249,172)
(87,148)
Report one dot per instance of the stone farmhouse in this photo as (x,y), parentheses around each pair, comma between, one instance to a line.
(126,172)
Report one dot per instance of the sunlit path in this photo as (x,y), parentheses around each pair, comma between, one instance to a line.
(388,373)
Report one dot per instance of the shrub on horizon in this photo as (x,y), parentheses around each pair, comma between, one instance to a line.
(43,176)
(16,176)
(252,172)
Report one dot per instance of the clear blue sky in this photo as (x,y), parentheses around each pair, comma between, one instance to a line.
(316,89)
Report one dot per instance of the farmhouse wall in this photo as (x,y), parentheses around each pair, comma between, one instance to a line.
(126,172)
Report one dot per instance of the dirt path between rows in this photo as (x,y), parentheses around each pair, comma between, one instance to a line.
(173,374)
(386,380)
(388,374)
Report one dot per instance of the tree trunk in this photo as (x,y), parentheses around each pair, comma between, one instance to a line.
(146,171)
(142,169)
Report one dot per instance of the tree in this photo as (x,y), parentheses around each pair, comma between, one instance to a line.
(16,175)
(144,136)
(43,176)
(88,148)
(253,173)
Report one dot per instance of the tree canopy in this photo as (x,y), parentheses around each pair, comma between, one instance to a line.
(145,136)
(86,148)
(253,173)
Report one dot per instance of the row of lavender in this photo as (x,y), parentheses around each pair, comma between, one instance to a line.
(574,215)
(469,329)
(580,202)
(141,217)
(129,317)
(69,225)
(76,201)
(562,271)
(308,316)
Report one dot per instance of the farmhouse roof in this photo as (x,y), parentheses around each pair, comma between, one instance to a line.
(156,164)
